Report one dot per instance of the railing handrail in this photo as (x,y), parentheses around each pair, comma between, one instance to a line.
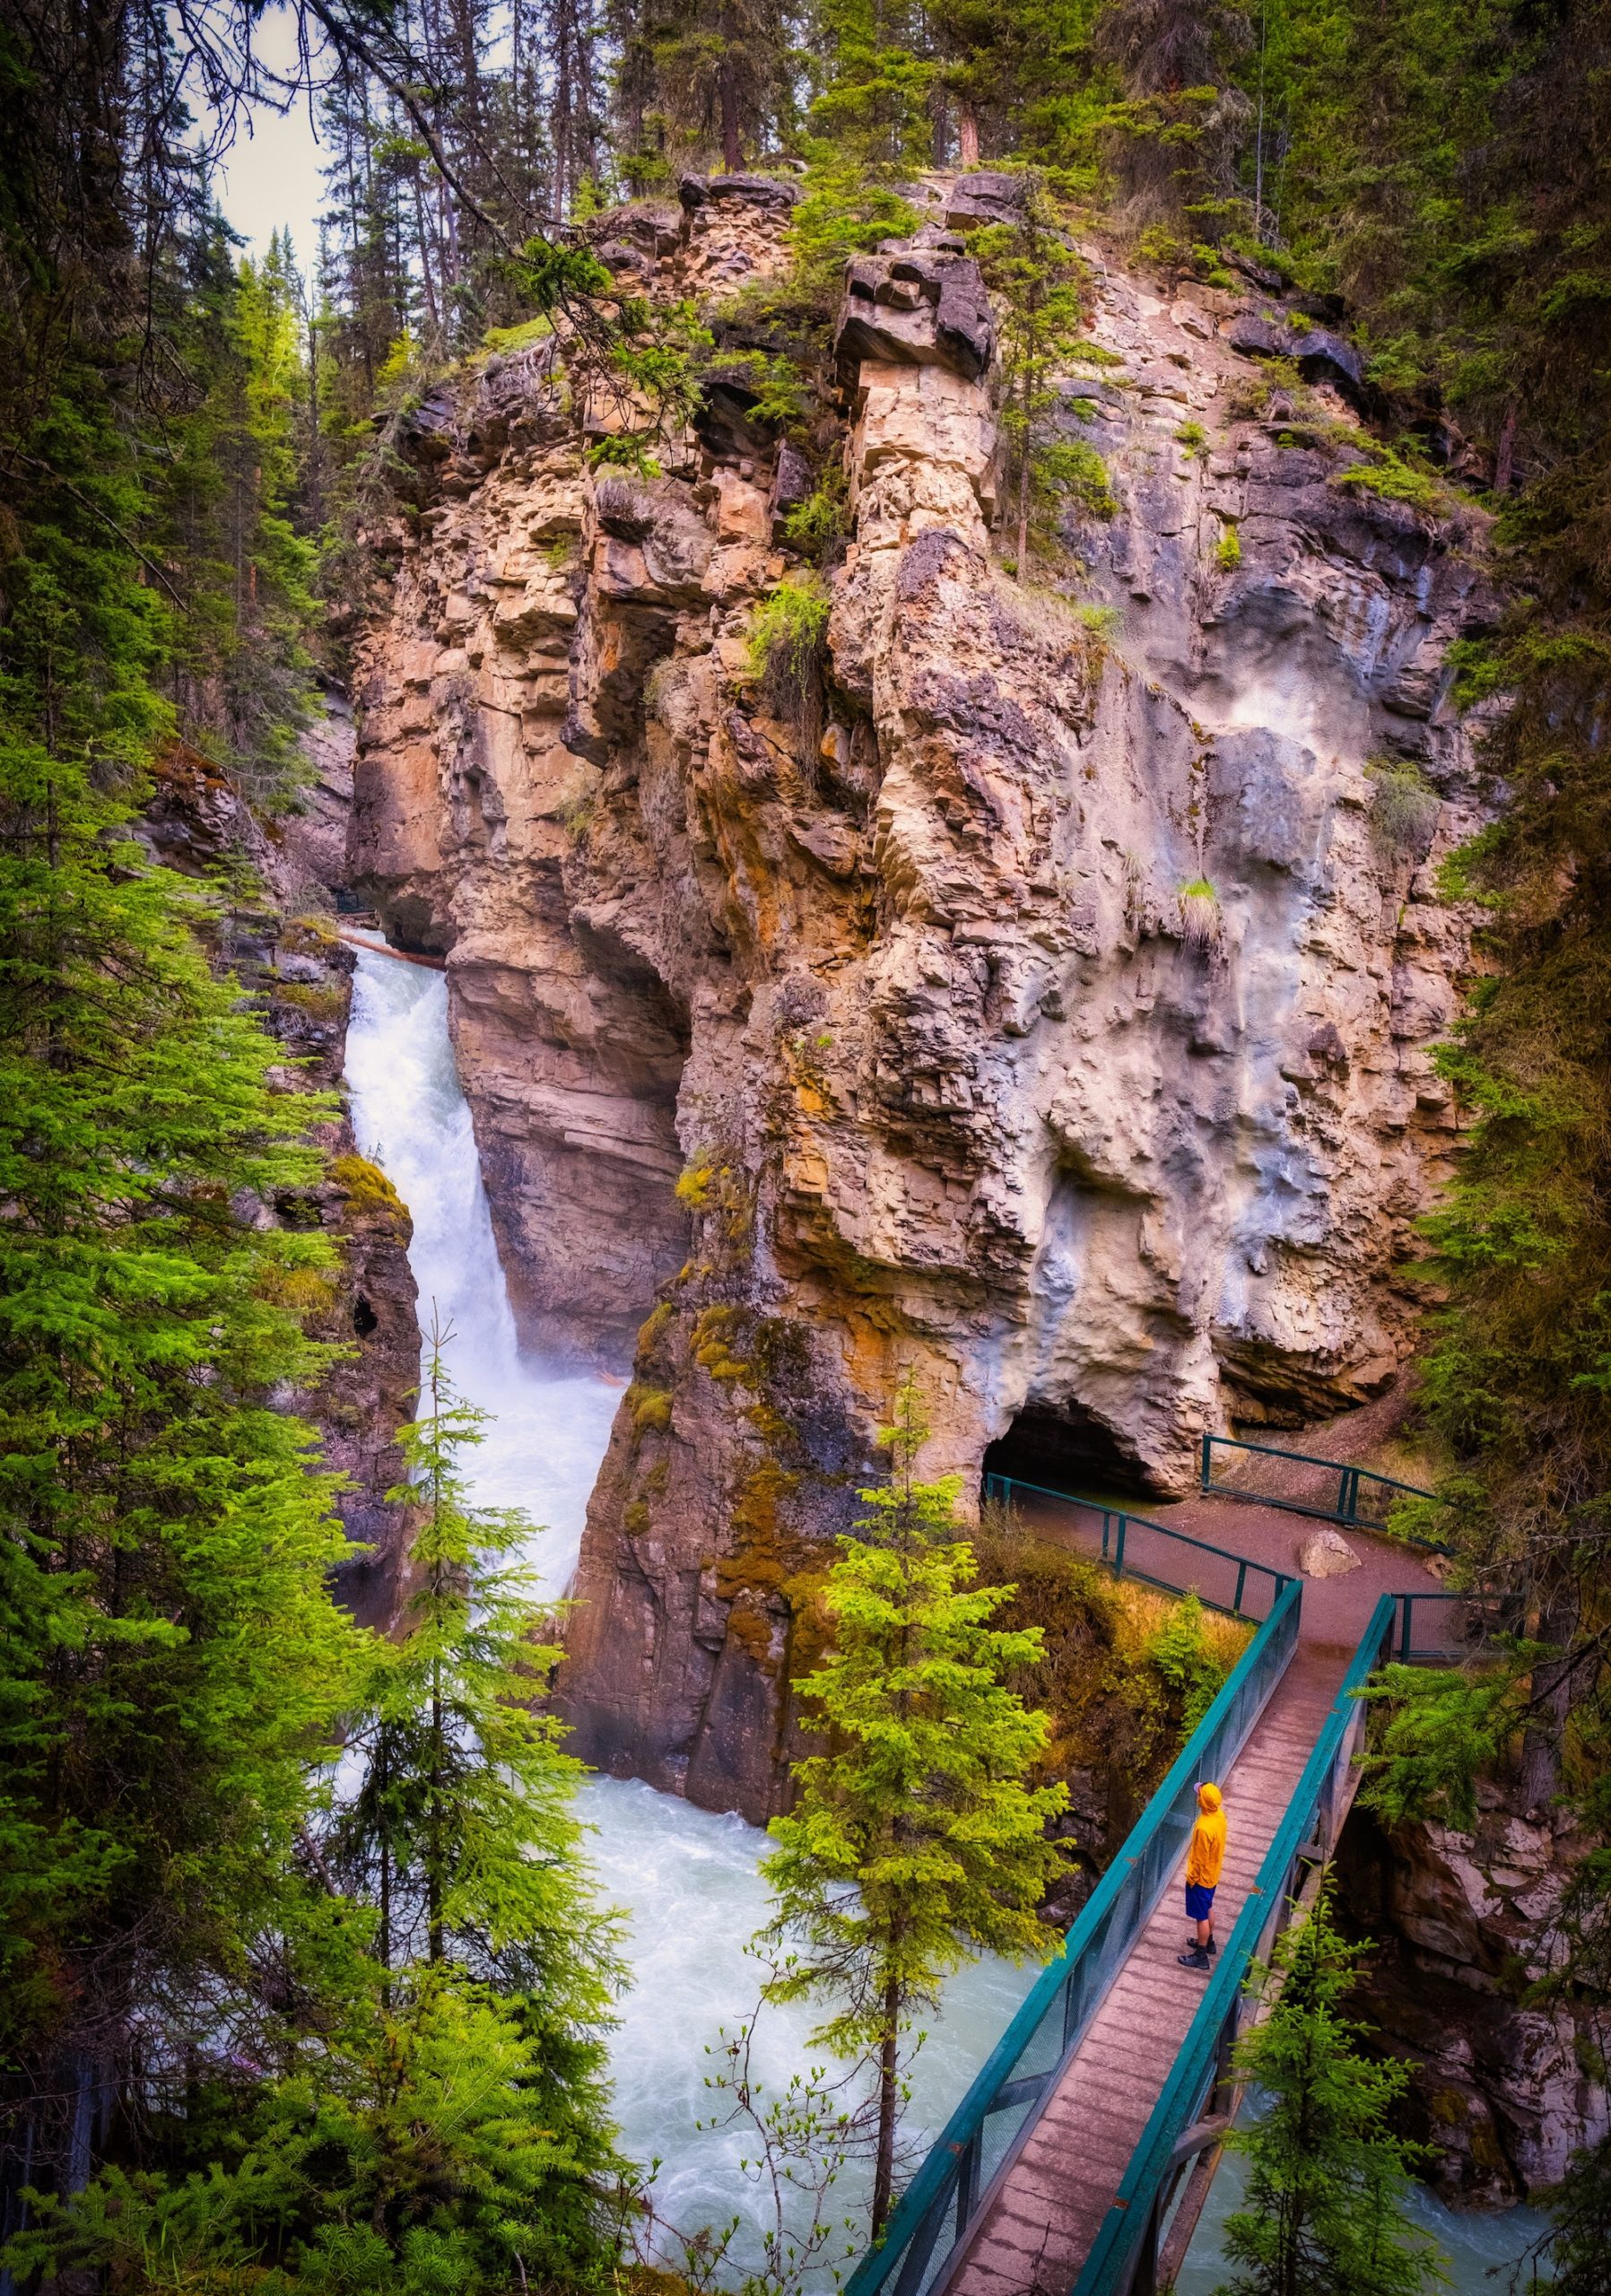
(1241,1562)
(929,2184)
(1129,2215)
(1308,1459)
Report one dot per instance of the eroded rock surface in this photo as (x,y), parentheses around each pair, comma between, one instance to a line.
(280,945)
(1504,2091)
(1042,996)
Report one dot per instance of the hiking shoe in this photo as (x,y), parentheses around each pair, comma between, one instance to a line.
(1193,1947)
(1193,1961)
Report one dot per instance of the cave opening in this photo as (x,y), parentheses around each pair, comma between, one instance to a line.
(1063,1447)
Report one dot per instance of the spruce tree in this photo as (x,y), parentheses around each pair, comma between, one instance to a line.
(1327,2176)
(1041,284)
(170,1655)
(459,1827)
(914,1843)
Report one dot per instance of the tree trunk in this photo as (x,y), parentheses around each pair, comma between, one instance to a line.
(1504,460)
(1023,485)
(732,149)
(967,136)
(1552,1687)
(889,2099)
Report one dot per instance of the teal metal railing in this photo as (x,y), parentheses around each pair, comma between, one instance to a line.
(1442,1629)
(1137,1548)
(1362,1496)
(1123,2258)
(1004,2102)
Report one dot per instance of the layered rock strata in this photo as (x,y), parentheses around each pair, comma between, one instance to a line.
(1503,2088)
(279,942)
(1039,989)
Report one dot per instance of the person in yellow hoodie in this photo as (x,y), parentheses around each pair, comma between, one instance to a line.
(1204,1857)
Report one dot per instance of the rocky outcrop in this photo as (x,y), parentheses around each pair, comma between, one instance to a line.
(1031,986)
(1503,2088)
(278,941)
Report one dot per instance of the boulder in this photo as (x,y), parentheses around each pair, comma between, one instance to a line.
(751,191)
(920,310)
(1326,1553)
(1322,356)
(988,196)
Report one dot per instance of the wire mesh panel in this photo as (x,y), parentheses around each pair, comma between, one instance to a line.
(1446,1630)
(986,2128)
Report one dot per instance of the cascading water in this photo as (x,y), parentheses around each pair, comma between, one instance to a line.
(548,1426)
(688,1881)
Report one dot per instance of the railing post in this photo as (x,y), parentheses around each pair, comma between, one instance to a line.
(1119,1557)
(1146,2280)
(1242,1580)
(1107,1518)
(967,2184)
(1404,1641)
(1224,2050)
(1207,1465)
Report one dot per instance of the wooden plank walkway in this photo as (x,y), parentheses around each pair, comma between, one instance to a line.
(1035,2228)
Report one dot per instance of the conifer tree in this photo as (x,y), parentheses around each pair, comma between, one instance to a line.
(171,1659)
(914,1842)
(1326,2177)
(1041,284)
(459,1828)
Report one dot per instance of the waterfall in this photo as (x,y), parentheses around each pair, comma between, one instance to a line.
(550,1425)
(687,1881)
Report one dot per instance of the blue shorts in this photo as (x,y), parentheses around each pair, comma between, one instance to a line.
(1199,1901)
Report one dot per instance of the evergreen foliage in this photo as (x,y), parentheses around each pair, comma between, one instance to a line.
(458,1825)
(1326,2177)
(189,458)
(914,1841)
(169,1654)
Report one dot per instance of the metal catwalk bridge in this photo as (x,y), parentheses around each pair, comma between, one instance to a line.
(1065,2166)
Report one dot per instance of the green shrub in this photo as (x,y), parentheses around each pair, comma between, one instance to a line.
(1076,472)
(817,525)
(1199,914)
(1227,550)
(1404,807)
(787,634)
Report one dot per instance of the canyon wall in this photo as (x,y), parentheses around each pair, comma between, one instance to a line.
(277,937)
(1040,989)
(1504,2086)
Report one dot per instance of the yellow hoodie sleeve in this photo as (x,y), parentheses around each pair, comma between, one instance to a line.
(1206,1854)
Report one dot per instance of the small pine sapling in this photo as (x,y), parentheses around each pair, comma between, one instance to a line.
(1326,2177)
(914,1843)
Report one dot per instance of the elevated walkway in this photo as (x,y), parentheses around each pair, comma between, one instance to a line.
(1061,2167)
(1047,2209)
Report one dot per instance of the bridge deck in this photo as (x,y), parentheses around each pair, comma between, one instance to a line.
(1036,2228)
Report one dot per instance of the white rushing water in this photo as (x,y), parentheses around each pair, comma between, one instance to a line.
(687,1881)
(550,1424)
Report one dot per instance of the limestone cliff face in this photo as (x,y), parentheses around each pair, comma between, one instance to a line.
(1043,993)
(1504,2090)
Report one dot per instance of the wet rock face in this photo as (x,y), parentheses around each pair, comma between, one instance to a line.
(1042,995)
(1503,2093)
(281,945)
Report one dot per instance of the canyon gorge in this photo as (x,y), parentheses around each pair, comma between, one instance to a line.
(1040,992)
